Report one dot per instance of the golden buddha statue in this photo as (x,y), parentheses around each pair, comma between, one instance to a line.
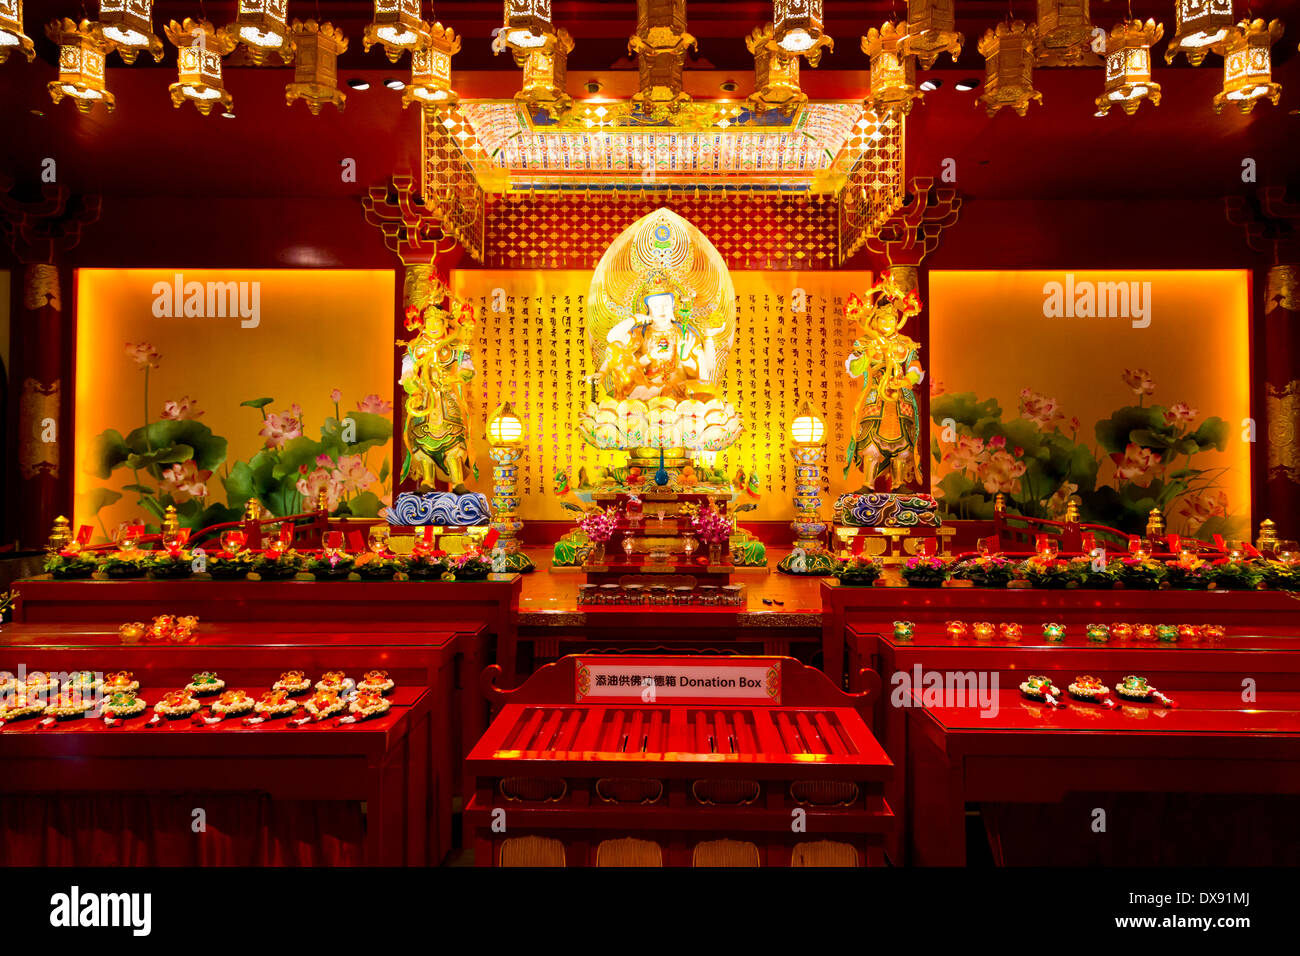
(658,352)
(887,417)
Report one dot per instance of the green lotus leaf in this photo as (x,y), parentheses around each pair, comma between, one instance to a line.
(209,450)
(107,453)
(257,402)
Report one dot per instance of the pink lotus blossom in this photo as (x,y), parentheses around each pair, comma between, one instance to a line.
(375,405)
(1181,414)
(336,396)
(281,428)
(1073,424)
(1198,509)
(1057,504)
(312,485)
(1137,464)
(323,461)
(144,355)
(185,408)
(353,475)
(184,481)
(1139,379)
(967,453)
(936,387)
(998,441)
(1001,473)
(1039,409)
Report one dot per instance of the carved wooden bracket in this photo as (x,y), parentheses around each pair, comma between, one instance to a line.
(410,230)
(914,231)
(37,230)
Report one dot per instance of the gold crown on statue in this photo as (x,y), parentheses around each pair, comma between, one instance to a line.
(885,293)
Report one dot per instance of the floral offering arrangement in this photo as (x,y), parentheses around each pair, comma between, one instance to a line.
(599,525)
(428,565)
(1279,575)
(1231,575)
(986,571)
(278,567)
(1042,571)
(859,570)
(1090,575)
(711,525)
(232,567)
(169,564)
(331,567)
(1189,572)
(1141,572)
(470,566)
(293,683)
(71,565)
(380,567)
(121,565)
(922,571)
(232,703)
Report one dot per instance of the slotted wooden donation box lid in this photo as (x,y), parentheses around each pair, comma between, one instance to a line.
(597,746)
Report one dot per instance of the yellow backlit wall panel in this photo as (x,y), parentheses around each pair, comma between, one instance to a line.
(316,330)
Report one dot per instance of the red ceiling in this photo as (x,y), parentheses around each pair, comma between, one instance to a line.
(1060,150)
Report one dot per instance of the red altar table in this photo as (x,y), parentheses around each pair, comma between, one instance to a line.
(416,657)
(1270,659)
(84,774)
(761,760)
(493,604)
(879,607)
(1030,755)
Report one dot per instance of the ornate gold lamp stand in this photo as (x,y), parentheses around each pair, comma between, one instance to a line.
(505,448)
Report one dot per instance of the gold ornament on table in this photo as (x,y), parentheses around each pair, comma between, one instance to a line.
(261,27)
(1008,52)
(1268,541)
(431,69)
(1200,26)
(931,30)
(60,536)
(545,75)
(1248,65)
(396,26)
(893,69)
(12,37)
(199,49)
(128,28)
(1064,34)
(1155,523)
(81,64)
(776,74)
(315,72)
(798,28)
(1128,66)
(660,44)
(887,417)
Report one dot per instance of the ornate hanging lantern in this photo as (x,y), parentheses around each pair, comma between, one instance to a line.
(261,26)
(1063,34)
(776,73)
(1199,27)
(199,49)
(660,46)
(798,28)
(1248,65)
(1008,53)
(528,25)
(893,69)
(315,71)
(12,37)
(81,64)
(397,26)
(128,28)
(931,30)
(545,74)
(1128,66)
(431,69)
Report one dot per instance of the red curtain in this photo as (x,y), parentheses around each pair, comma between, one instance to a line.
(163,830)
